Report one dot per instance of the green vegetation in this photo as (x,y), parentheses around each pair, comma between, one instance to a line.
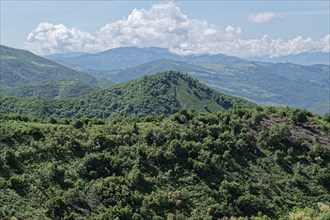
(52,90)
(263,83)
(261,163)
(164,93)
(281,84)
(163,146)
(21,68)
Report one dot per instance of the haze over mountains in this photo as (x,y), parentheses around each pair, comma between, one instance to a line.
(118,58)
(125,57)
(265,83)
(305,58)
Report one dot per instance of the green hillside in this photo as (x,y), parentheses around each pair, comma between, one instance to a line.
(52,90)
(264,83)
(271,162)
(21,68)
(163,93)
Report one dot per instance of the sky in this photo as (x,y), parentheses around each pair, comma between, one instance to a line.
(239,28)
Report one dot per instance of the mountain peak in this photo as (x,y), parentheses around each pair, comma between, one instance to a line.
(163,93)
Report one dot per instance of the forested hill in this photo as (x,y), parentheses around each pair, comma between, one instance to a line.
(21,68)
(281,84)
(163,93)
(262,162)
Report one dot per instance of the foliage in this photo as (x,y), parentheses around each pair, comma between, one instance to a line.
(163,93)
(254,163)
(21,68)
(52,90)
(322,212)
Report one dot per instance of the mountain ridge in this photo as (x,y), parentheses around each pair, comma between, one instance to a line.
(21,67)
(304,58)
(118,58)
(264,83)
(163,93)
(127,57)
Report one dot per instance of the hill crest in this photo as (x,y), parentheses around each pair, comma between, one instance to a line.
(162,93)
(22,68)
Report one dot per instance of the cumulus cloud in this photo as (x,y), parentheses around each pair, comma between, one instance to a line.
(48,38)
(165,25)
(263,17)
(267,46)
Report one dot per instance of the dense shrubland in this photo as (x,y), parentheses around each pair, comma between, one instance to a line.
(262,162)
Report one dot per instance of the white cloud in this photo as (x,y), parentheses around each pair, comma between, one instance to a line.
(48,38)
(263,17)
(165,25)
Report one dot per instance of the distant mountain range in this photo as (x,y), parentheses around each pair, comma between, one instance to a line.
(126,57)
(164,93)
(305,58)
(118,58)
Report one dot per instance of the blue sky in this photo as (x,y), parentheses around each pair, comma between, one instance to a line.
(281,21)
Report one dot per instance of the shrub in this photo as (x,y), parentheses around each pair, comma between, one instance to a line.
(78,124)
